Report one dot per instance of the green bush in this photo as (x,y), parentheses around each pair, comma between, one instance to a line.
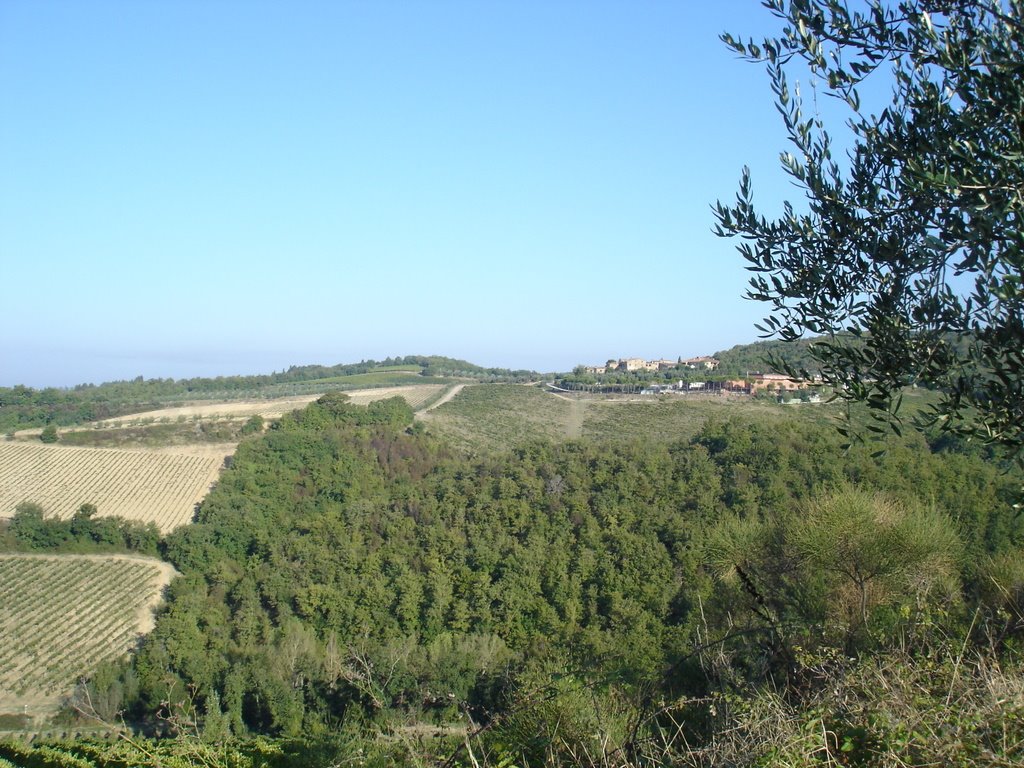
(252,426)
(850,570)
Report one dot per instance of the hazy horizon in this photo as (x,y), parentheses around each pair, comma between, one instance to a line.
(254,363)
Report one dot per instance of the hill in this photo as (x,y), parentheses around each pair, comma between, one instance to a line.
(565,572)
(24,407)
(500,416)
(755,358)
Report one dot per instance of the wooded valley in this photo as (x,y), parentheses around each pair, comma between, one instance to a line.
(357,585)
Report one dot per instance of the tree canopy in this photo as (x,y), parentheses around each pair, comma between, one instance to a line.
(353,578)
(912,241)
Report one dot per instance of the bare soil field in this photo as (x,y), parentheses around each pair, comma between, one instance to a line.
(61,615)
(136,485)
(215,451)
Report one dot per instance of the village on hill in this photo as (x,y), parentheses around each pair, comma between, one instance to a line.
(629,364)
(677,376)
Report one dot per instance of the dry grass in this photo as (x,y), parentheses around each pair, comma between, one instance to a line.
(889,711)
(495,416)
(668,418)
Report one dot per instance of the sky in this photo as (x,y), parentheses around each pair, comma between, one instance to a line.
(213,188)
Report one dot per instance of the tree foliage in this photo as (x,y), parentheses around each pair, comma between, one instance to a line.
(350,573)
(913,241)
(348,566)
(30,529)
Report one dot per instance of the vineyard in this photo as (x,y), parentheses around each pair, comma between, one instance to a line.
(238,409)
(416,395)
(136,485)
(61,615)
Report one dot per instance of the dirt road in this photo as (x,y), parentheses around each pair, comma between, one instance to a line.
(451,393)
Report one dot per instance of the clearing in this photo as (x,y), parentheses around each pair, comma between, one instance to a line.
(498,416)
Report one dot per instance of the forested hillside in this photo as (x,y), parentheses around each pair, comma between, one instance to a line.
(351,573)
(22,406)
(757,357)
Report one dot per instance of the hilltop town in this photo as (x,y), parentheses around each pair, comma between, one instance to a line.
(639,375)
(629,364)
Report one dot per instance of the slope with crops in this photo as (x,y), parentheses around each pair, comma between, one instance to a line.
(351,572)
(62,615)
(134,485)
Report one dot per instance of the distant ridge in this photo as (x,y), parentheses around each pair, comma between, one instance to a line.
(23,407)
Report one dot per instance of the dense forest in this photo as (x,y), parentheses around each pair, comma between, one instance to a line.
(763,356)
(352,578)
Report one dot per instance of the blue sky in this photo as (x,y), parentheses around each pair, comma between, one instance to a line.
(203,188)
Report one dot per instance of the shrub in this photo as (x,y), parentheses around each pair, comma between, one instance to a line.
(253,426)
